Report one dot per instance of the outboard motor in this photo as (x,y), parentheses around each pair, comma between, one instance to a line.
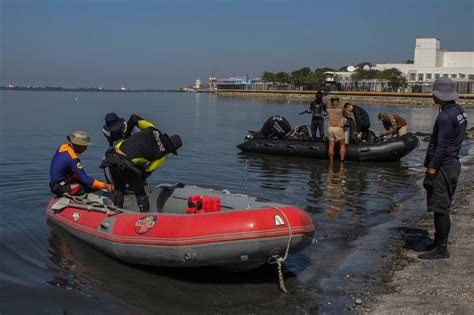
(276,127)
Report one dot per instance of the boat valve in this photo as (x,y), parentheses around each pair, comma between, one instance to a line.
(104,226)
(189,254)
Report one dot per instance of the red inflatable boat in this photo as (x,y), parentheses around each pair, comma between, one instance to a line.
(187,227)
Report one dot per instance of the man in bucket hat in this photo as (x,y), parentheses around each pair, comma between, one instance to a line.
(116,129)
(442,164)
(134,159)
(67,174)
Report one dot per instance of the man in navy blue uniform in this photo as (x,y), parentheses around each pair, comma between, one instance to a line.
(442,163)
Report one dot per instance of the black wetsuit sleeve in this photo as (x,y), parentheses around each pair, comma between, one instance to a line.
(136,121)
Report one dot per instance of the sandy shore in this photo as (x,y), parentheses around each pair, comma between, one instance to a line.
(443,286)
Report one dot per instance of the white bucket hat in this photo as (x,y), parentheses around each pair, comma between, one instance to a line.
(443,89)
(79,138)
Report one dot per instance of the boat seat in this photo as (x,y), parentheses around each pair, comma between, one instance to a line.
(163,196)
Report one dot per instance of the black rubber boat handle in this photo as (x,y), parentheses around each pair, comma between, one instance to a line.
(314,148)
(268,144)
(291,146)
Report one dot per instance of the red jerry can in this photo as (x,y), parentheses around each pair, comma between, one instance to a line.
(202,204)
(211,204)
(194,204)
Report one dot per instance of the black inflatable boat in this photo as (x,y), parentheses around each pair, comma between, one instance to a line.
(388,150)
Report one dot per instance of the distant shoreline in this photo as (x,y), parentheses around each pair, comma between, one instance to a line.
(366,98)
(53,89)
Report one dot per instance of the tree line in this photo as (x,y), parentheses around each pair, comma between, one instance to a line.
(393,76)
(303,75)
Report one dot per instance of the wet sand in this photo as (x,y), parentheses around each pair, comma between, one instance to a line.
(415,286)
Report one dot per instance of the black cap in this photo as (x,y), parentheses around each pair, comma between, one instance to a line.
(113,122)
(175,143)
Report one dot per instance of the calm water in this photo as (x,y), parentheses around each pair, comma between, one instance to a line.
(45,270)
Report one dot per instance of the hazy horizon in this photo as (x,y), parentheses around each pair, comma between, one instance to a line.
(170,44)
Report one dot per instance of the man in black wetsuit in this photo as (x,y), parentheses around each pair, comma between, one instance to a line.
(442,163)
(116,129)
(319,110)
(133,159)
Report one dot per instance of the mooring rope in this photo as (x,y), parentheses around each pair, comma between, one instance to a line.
(277,259)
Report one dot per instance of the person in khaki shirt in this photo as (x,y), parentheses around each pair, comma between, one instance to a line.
(336,129)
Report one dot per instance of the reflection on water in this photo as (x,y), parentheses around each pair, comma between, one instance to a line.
(52,269)
(334,193)
(201,290)
(69,274)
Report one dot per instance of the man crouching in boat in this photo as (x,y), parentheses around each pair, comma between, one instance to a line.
(134,159)
(66,172)
(394,125)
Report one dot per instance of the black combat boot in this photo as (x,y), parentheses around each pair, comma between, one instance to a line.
(440,251)
(143,203)
(433,244)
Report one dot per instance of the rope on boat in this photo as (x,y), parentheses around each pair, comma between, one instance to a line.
(277,259)
(86,204)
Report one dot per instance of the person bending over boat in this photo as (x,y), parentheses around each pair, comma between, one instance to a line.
(319,110)
(336,129)
(361,121)
(116,129)
(133,159)
(394,125)
(66,172)
(351,124)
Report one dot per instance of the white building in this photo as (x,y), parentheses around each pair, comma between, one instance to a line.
(197,85)
(343,76)
(338,76)
(212,82)
(431,62)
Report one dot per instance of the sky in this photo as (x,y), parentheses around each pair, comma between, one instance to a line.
(170,44)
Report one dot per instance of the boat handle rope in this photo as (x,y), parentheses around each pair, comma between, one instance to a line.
(277,259)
